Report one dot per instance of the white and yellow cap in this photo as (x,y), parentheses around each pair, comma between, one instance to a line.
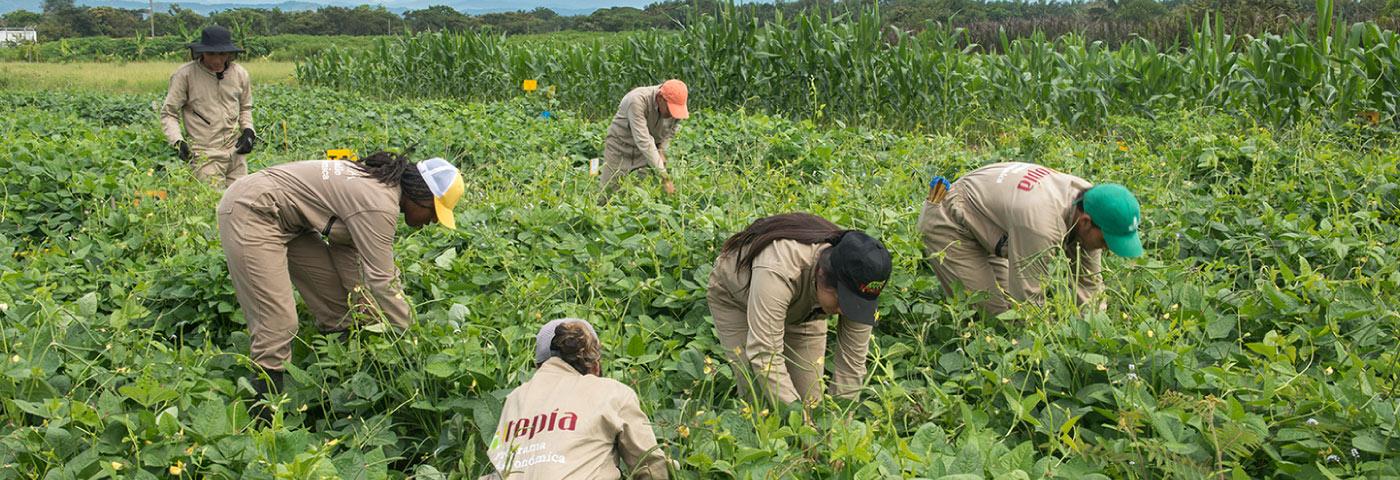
(446,184)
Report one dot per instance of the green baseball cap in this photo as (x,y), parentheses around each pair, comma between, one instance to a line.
(1114,210)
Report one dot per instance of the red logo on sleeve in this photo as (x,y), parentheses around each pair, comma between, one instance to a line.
(1034,176)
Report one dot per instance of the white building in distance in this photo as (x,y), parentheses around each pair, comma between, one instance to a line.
(13,36)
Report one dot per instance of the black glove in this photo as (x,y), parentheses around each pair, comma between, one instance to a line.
(246,142)
(183,150)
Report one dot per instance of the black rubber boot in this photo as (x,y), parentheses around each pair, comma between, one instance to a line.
(264,389)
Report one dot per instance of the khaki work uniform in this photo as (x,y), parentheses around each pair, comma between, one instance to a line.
(215,111)
(773,329)
(271,225)
(997,229)
(563,425)
(637,138)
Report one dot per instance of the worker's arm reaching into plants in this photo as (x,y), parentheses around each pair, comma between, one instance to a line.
(641,135)
(374,239)
(848,369)
(662,144)
(769,295)
(1028,256)
(635,439)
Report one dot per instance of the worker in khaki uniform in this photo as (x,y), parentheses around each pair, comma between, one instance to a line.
(646,121)
(327,227)
(997,229)
(568,422)
(214,99)
(771,291)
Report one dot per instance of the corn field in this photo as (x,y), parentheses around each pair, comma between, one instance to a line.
(853,71)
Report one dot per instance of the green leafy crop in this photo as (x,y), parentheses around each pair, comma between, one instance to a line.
(1255,340)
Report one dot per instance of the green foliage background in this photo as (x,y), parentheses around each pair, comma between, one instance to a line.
(852,71)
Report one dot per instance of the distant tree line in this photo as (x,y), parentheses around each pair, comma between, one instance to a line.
(64,19)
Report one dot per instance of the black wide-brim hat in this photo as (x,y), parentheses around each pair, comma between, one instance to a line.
(215,39)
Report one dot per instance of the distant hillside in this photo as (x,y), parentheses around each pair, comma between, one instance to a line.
(567,7)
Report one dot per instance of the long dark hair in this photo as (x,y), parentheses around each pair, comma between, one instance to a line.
(394,169)
(802,227)
(577,346)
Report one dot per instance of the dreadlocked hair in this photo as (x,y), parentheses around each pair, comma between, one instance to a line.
(394,169)
(577,346)
(802,227)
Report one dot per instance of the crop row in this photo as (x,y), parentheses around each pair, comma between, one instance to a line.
(1256,340)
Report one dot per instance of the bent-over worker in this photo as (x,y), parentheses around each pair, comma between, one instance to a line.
(997,228)
(327,227)
(771,291)
(646,121)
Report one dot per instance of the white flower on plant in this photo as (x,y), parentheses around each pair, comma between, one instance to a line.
(1334,459)
(1312,422)
(1355,453)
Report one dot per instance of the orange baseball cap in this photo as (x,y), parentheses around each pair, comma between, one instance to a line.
(675,93)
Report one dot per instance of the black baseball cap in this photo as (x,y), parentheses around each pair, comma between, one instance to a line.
(862,266)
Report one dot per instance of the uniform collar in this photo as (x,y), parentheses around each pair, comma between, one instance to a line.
(220,76)
(556,366)
(652,108)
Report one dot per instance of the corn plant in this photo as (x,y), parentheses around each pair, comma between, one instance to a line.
(849,68)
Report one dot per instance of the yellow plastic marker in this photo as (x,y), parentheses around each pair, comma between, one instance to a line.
(530,85)
(342,154)
(152,194)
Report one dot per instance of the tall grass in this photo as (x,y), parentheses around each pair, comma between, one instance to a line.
(853,70)
(129,77)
